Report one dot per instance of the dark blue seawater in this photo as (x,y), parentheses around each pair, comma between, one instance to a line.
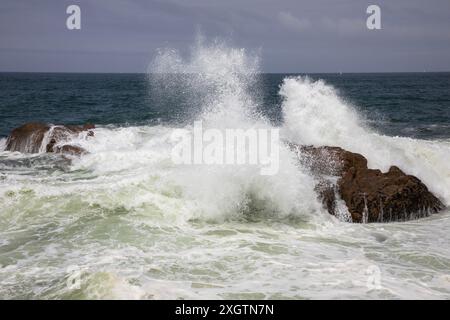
(405,104)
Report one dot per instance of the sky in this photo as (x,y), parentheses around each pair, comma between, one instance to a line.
(291,35)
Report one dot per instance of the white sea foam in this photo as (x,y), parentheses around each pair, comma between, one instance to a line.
(2,144)
(315,114)
(216,231)
(223,76)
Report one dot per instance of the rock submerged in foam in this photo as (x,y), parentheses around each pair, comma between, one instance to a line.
(37,137)
(369,194)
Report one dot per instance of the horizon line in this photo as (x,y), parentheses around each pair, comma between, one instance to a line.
(300,72)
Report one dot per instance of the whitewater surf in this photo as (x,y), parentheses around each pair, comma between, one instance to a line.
(124,221)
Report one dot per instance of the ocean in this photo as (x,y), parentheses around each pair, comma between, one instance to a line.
(124,222)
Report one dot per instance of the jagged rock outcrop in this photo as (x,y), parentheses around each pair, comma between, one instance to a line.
(40,137)
(369,194)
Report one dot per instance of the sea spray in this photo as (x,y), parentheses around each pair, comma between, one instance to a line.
(314,114)
(221,77)
(224,81)
(220,80)
(227,147)
(141,227)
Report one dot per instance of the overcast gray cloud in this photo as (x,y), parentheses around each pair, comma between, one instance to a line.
(294,36)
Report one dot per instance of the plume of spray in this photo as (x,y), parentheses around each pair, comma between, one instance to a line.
(221,83)
(315,114)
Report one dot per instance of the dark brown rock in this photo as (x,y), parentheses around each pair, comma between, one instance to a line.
(31,137)
(27,138)
(369,194)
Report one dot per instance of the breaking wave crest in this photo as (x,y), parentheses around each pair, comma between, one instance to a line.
(315,114)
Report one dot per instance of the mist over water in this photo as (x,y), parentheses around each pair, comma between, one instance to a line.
(220,81)
(137,226)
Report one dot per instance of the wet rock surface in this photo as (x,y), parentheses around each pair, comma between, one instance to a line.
(369,194)
(40,137)
(27,138)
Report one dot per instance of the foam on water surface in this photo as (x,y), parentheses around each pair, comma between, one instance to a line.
(137,226)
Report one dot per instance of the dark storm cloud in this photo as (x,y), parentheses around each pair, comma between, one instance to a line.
(294,36)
